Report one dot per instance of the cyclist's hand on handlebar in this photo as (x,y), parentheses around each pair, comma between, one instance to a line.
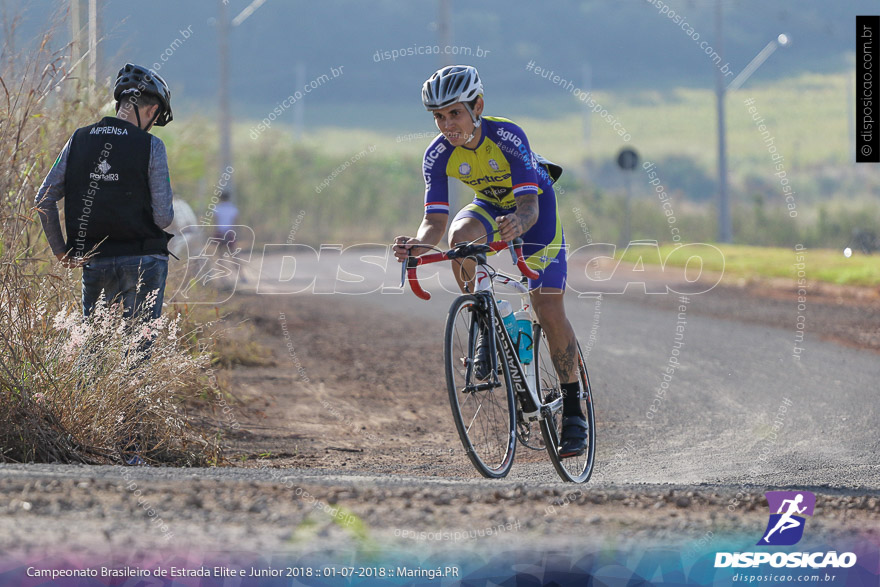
(402,246)
(509,227)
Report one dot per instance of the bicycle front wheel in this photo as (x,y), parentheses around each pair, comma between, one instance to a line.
(573,469)
(484,413)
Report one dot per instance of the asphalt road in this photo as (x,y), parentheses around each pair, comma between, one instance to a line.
(738,407)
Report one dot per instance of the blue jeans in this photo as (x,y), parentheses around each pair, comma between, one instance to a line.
(118,278)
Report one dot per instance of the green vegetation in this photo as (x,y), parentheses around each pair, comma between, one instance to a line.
(746,262)
(362,185)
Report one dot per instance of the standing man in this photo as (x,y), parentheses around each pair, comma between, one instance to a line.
(513,198)
(113,178)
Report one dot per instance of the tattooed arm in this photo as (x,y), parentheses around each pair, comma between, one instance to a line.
(526,215)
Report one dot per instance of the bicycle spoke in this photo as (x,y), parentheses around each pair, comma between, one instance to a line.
(474,418)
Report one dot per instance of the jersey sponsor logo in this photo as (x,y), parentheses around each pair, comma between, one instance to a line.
(495,192)
(104,167)
(431,158)
(464,169)
(487,179)
(526,156)
(542,171)
(432,155)
(108,130)
(508,136)
(494,164)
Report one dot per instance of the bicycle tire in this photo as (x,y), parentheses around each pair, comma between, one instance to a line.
(577,469)
(491,444)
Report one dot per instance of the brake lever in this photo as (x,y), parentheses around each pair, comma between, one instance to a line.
(403,266)
(511,246)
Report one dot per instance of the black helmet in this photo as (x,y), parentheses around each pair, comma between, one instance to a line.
(136,79)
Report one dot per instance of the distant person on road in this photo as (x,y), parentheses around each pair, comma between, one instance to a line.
(225,215)
(513,198)
(113,177)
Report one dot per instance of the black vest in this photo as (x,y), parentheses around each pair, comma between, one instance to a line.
(107,192)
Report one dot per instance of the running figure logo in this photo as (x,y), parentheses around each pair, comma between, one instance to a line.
(219,265)
(787,511)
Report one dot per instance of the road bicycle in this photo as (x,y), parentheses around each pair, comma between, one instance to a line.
(491,414)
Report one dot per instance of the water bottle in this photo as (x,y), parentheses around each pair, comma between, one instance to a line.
(506,312)
(524,340)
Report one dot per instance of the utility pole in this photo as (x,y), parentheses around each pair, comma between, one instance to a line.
(223,27)
(587,75)
(444,30)
(76,44)
(458,192)
(93,42)
(84,41)
(225,117)
(725,226)
(299,108)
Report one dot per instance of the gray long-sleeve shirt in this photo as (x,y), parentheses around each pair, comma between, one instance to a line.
(52,190)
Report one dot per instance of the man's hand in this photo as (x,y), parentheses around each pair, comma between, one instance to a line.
(518,223)
(509,227)
(69,262)
(402,246)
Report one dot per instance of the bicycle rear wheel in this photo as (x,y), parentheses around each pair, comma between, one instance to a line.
(484,414)
(574,469)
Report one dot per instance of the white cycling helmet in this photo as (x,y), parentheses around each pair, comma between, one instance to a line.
(452,84)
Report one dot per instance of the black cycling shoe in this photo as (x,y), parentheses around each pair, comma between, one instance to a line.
(482,364)
(574,436)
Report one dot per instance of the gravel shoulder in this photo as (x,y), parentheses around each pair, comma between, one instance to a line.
(87,511)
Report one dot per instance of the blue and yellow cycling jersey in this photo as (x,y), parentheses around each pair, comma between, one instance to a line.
(499,169)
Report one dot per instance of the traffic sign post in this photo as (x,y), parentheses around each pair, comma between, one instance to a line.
(627,160)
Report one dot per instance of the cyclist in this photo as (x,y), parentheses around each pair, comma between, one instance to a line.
(513,198)
(113,177)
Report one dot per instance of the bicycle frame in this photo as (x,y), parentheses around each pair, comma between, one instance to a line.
(524,385)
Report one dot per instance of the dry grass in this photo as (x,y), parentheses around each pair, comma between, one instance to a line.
(74,389)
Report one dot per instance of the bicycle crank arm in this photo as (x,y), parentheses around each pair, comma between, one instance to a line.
(547,410)
(532,416)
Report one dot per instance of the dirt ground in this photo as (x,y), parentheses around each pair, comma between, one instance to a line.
(348,389)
